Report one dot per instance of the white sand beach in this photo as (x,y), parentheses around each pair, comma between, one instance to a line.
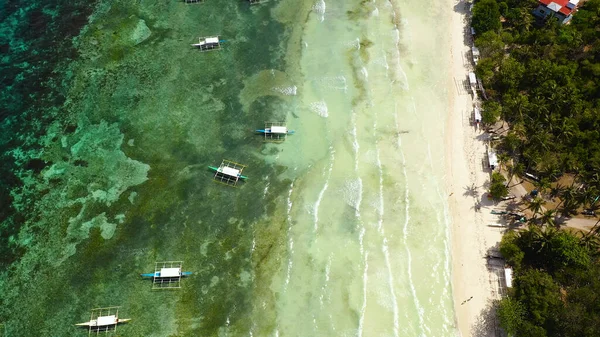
(474,286)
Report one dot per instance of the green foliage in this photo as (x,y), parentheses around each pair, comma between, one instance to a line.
(498,189)
(486,16)
(556,291)
(510,313)
(511,251)
(491,112)
(546,78)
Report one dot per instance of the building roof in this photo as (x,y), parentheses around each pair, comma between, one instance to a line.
(477,114)
(508,277)
(493,159)
(472,78)
(565,7)
(170,272)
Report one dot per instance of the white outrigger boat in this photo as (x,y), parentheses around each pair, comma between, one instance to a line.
(208,43)
(104,320)
(275,131)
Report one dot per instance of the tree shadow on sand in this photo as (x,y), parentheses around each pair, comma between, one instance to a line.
(486,324)
(471,191)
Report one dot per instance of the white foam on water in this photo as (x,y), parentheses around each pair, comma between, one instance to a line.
(361,236)
(333,82)
(324,189)
(384,247)
(288,91)
(448,324)
(363,309)
(420,309)
(319,7)
(352,194)
(375,12)
(290,243)
(320,108)
(364,73)
(266,186)
(353,44)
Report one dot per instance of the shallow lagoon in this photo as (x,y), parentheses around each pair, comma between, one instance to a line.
(334,233)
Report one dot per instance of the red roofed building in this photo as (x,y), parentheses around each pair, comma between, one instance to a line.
(561,9)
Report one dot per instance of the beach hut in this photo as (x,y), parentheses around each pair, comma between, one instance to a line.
(275,131)
(492,159)
(228,173)
(508,277)
(167,275)
(103,320)
(208,43)
(476,117)
(472,79)
(475,53)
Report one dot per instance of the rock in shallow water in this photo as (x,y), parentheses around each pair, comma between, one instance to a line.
(141,32)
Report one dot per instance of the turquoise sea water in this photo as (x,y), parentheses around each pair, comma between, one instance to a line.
(342,230)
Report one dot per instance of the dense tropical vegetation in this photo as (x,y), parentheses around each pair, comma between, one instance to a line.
(556,291)
(543,79)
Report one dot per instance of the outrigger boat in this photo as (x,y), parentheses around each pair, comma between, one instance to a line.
(103,320)
(208,43)
(167,274)
(228,171)
(275,131)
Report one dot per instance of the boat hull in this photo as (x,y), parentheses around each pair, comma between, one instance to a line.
(157,274)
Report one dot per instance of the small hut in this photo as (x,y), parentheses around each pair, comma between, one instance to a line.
(475,53)
(492,159)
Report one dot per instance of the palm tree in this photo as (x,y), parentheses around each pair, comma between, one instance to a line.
(536,205)
(517,169)
(548,218)
(541,185)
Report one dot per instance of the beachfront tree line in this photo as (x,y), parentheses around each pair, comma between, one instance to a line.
(556,289)
(542,79)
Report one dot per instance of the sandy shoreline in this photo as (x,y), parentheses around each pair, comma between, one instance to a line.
(474,287)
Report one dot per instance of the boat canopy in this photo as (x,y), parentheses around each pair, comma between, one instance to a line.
(211,40)
(475,51)
(106,320)
(230,171)
(278,129)
(170,272)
